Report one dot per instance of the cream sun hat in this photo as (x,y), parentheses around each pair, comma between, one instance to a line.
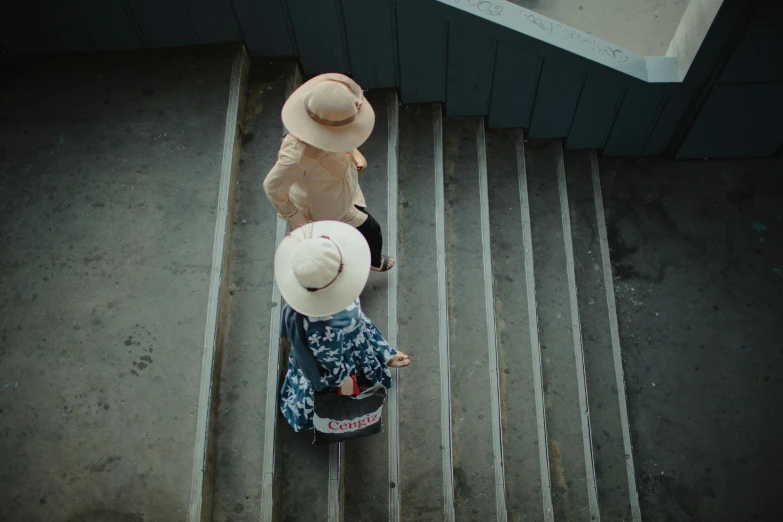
(322,267)
(329,112)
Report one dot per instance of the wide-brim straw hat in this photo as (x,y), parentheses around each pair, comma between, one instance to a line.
(322,267)
(329,112)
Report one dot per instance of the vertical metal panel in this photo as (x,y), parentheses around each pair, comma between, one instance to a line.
(635,121)
(737,121)
(319,36)
(595,114)
(18,22)
(40,25)
(684,97)
(213,20)
(680,100)
(513,87)
(108,25)
(422,48)
(757,57)
(65,30)
(71,34)
(368,29)
(265,26)
(163,23)
(469,74)
(558,93)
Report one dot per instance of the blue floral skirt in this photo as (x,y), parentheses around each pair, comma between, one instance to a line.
(344,344)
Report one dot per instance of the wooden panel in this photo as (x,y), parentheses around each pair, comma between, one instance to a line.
(265,26)
(368,28)
(513,87)
(558,93)
(108,25)
(422,45)
(319,36)
(757,57)
(163,23)
(595,114)
(213,20)
(469,75)
(634,123)
(737,121)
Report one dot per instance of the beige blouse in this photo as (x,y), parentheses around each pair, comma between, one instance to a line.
(309,184)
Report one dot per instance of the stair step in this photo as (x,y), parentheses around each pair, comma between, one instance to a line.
(302,476)
(425,428)
(492,419)
(301,470)
(242,391)
(603,366)
(524,426)
(568,427)
(479,485)
(366,461)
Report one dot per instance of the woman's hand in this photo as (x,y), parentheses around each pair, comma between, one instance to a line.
(360,160)
(346,388)
(399,361)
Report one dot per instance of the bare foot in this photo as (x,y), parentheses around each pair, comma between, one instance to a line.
(399,361)
(387,263)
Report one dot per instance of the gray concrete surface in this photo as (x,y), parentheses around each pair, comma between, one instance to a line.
(240,421)
(697,254)
(421,475)
(109,170)
(471,413)
(643,26)
(570,495)
(614,494)
(366,461)
(517,382)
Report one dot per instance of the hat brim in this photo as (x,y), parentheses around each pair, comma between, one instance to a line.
(330,139)
(349,283)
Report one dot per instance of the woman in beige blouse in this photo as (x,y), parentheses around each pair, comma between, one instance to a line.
(316,174)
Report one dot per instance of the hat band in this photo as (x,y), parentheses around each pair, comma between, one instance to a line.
(339,270)
(324,121)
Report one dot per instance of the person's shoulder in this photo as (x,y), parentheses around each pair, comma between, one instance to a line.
(292,150)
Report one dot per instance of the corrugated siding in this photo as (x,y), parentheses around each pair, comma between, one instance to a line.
(438,53)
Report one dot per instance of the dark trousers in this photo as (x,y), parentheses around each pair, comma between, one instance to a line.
(371,231)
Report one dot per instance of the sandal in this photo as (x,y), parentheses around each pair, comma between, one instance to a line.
(400,360)
(387,263)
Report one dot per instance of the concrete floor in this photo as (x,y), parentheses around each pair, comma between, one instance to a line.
(697,253)
(109,170)
(643,26)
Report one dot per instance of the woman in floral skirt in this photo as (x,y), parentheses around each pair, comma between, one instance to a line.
(321,268)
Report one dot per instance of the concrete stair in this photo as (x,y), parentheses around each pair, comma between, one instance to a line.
(514,405)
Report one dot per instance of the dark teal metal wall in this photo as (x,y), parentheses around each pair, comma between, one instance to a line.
(729,105)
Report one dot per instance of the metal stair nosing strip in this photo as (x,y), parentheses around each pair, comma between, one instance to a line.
(200,505)
(492,342)
(270,422)
(615,335)
(535,344)
(393,107)
(587,443)
(336,454)
(443,321)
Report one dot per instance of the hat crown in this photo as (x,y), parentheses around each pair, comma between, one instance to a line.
(333,101)
(316,262)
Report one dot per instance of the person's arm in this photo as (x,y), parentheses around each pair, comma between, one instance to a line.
(283,175)
(360,160)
